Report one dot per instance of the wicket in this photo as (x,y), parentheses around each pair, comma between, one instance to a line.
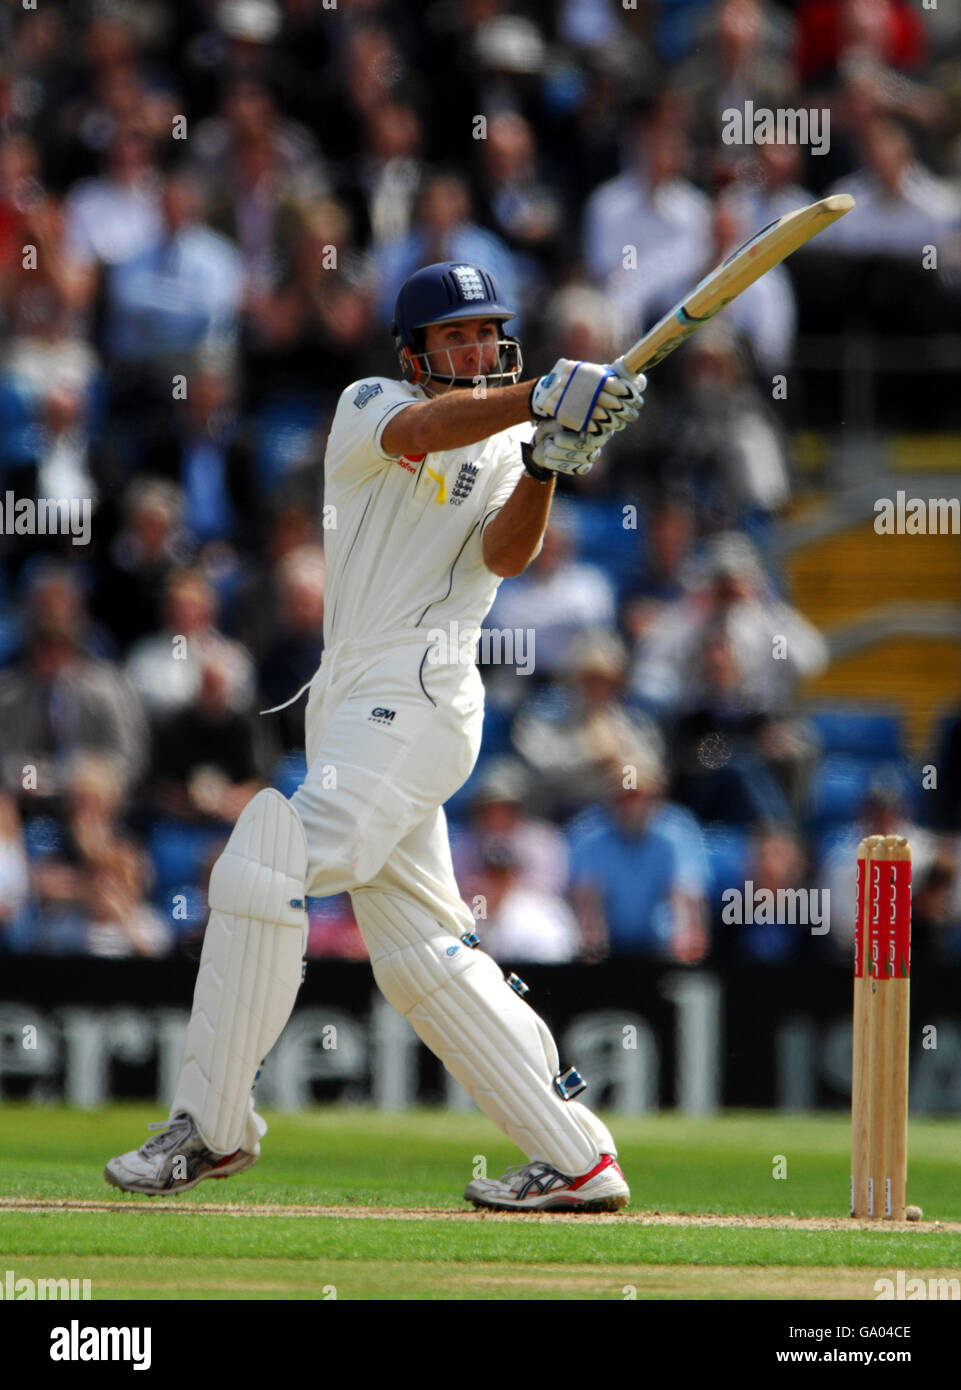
(879,1055)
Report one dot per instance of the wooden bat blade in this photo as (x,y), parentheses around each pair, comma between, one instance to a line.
(759,254)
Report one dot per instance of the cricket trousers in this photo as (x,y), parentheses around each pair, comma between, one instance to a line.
(391,733)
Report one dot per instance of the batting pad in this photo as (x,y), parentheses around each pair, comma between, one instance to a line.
(250,971)
(494,1044)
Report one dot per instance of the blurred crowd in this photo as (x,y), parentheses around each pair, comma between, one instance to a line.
(206,210)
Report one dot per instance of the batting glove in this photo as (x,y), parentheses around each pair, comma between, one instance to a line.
(557,450)
(586,397)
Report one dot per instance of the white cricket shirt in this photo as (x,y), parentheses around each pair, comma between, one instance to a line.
(405,552)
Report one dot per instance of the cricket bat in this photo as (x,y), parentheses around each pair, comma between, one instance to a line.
(766,249)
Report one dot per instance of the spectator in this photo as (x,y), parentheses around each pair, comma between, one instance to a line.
(14,874)
(637,887)
(776,865)
(120,922)
(380,190)
(554,599)
(95,859)
(765,315)
(829,31)
(647,233)
(118,215)
(901,205)
(886,811)
(497,812)
(521,208)
(166,668)
(774,645)
(203,448)
(206,762)
(740,64)
(668,551)
(294,656)
(728,754)
(147,548)
(444,231)
(313,330)
(180,292)
(575,739)
(255,165)
(517,923)
(291,521)
(56,701)
(723,443)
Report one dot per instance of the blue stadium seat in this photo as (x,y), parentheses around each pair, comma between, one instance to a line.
(603,539)
(43,835)
(838,789)
(497,732)
(288,773)
(286,428)
(180,853)
(727,854)
(855,733)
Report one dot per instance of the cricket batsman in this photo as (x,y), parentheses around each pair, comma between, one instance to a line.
(442,488)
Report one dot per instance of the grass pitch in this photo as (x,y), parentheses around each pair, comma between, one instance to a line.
(354,1204)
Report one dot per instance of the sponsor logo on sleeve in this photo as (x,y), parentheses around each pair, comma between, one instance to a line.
(367,393)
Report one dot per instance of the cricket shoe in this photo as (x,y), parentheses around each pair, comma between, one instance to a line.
(539,1187)
(154,1168)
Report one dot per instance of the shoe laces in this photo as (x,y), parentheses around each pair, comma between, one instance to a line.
(174,1132)
(537,1169)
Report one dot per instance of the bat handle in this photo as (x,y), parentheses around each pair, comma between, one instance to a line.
(620,366)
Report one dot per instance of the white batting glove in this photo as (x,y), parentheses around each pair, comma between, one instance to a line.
(587,397)
(557,450)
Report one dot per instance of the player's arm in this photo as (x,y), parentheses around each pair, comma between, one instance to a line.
(512,538)
(580,396)
(455,420)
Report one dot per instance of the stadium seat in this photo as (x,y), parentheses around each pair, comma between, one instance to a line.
(838,789)
(285,429)
(603,539)
(873,735)
(289,772)
(42,835)
(727,855)
(180,854)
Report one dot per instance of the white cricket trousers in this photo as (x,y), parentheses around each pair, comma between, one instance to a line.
(390,737)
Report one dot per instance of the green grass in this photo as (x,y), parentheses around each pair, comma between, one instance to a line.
(355,1158)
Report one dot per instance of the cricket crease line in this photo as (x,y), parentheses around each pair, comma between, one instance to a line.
(643,1218)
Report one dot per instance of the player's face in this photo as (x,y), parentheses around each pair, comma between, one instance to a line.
(464,348)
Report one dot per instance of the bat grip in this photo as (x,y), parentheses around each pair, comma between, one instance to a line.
(620,366)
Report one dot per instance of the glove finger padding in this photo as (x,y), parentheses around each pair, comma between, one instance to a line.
(587,396)
(563,451)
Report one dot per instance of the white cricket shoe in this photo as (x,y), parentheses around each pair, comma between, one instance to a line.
(539,1187)
(151,1168)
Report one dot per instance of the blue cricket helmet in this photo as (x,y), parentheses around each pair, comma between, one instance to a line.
(440,293)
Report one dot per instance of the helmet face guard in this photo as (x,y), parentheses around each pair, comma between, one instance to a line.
(437,366)
(444,293)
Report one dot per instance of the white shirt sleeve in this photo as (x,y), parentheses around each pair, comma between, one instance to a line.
(354,447)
